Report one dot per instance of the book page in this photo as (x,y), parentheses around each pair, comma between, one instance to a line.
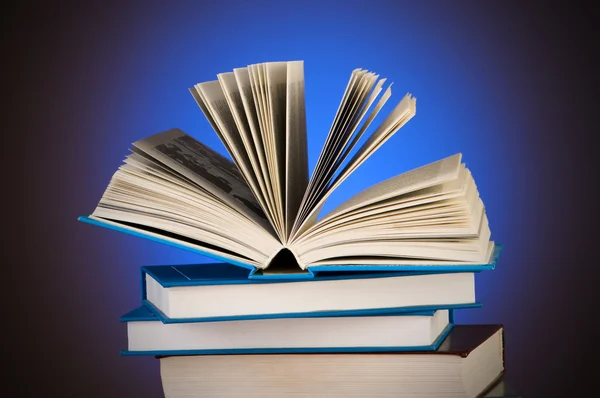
(446,190)
(453,225)
(473,248)
(434,194)
(392,250)
(403,112)
(248,95)
(434,173)
(429,210)
(440,223)
(233,95)
(149,194)
(392,261)
(303,210)
(296,150)
(215,101)
(341,134)
(422,177)
(156,179)
(259,90)
(259,101)
(276,84)
(148,197)
(341,151)
(457,219)
(350,87)
(386,95)
(329,142)
(206,168)
(341,141)
(359,84)
(200,101)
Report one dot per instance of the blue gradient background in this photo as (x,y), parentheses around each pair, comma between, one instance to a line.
(503,84)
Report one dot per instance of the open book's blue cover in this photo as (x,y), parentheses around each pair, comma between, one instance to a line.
(145,314)
(256,273)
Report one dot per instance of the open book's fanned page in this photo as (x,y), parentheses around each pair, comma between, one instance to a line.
(183,188)
(429,215)
(217,100)
(261,209)
(296,178)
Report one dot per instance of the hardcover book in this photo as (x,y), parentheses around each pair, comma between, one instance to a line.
(186,293)
(467,364)
(417,331)
(261,210)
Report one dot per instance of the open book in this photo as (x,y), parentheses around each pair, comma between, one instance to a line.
(261,209)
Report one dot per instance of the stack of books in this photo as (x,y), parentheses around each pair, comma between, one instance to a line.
(359,302)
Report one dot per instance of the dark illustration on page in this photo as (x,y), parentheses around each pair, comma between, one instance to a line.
(213,167)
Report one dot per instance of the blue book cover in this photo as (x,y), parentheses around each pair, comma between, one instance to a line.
(251,272)
(145,314)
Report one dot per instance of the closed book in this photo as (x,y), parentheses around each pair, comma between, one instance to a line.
(467,364)
(209,292)
(423,331)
